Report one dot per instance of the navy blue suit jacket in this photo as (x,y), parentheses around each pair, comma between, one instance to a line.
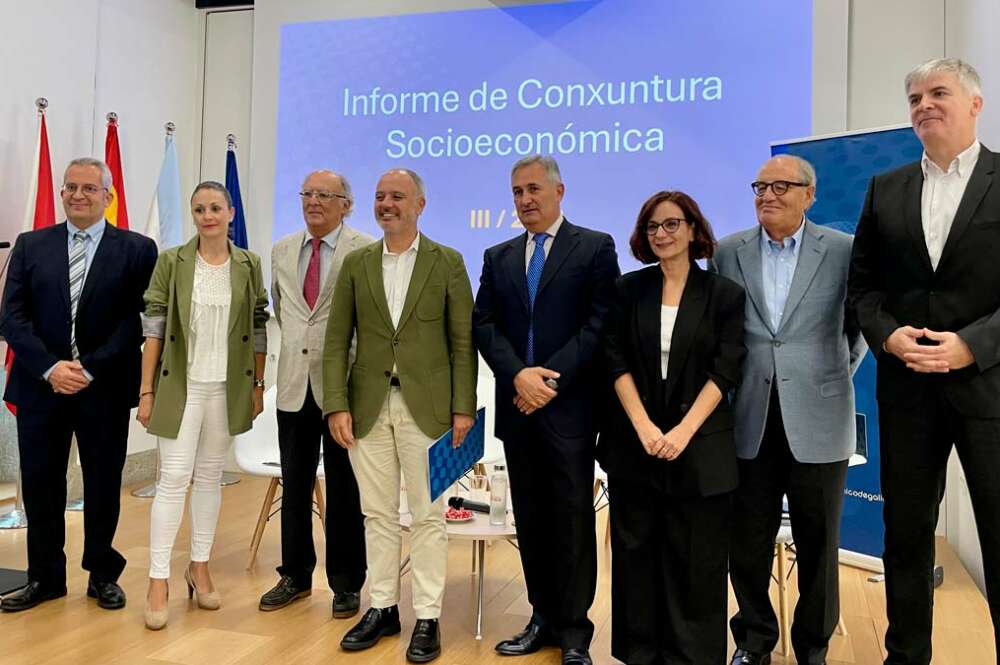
(571,304)
(36,313)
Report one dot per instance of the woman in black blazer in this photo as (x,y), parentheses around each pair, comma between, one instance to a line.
(674,348)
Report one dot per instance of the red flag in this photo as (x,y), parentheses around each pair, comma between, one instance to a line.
(117,211)
(41,208)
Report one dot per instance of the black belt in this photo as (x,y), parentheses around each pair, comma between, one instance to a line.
(394,381)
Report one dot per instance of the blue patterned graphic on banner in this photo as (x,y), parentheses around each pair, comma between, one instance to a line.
(844,164)
(445,464)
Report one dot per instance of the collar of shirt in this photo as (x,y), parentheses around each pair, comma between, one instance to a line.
(963,164)
(94,231)
(792,242)
(412,248)
(330,239)
(552,230)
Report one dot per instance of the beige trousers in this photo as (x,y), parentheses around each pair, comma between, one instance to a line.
(396,443)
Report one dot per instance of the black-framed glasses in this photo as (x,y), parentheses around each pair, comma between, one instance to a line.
(670,225)
(325,197)
(90,190)
(779,187)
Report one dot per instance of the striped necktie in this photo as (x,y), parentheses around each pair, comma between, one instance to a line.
(534,277)
(77,274)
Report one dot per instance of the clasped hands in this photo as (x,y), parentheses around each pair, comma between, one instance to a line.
(667,446)
(950,352)
(68,378)
(532,393)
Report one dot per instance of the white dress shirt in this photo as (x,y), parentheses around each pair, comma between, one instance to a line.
(942,192)
(668,317)
(396,272)
(529,248)
(326,250)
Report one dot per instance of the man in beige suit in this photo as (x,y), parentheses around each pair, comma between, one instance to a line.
(304,268)
(410,302)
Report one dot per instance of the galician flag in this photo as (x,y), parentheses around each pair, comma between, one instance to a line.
(166,216)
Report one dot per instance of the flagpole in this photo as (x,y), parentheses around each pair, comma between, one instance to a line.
(229,478)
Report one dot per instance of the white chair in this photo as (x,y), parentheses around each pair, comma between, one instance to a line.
(257,454)
(602,498)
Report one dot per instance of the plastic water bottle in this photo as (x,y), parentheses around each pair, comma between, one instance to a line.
(498,496)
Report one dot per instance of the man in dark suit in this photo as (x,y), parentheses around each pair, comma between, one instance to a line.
(542,301)
(925,281)
(71,314)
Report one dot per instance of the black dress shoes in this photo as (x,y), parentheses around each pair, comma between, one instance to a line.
(29,595)
(425,643)
(376,623)
(529,640)
(744,657)
(576,657)
(283,593)
(346,604)
(108,594)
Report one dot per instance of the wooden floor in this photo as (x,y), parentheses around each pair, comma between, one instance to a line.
(74,630)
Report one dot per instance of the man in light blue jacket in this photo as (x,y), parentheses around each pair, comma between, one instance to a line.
(794,410)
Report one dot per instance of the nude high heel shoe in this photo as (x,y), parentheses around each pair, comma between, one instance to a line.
(207,600)
(156,619)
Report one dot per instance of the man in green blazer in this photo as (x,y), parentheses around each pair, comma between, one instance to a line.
(409,301)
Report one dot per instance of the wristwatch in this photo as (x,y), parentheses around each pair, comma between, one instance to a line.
(258,383)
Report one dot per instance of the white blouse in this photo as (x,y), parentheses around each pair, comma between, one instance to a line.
(209,340)
(668,317)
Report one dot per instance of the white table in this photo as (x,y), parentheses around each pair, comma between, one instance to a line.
(479,531)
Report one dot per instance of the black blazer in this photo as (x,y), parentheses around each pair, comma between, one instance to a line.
(707,343)
(572,301)
(36,313)
(892,284)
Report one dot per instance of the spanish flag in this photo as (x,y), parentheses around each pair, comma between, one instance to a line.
(117,211)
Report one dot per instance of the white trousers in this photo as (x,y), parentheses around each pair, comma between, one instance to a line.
(396,443)
(195,457)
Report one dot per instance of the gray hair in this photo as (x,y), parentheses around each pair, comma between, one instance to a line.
(966,74)
(106,180)
(806,171)
(417,180)
(343,181)
(548,163)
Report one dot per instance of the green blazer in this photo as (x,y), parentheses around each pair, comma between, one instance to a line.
(168,299)
(432,347)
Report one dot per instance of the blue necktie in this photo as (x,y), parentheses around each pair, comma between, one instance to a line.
(534,277)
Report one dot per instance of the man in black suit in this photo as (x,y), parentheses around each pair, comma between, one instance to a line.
(925,282)
(71,314)
(542,301)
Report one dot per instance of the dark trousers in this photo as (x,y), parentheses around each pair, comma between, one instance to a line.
(915,444)
(44,437)
(815,501)
(299,436)
(668,576)
(552,488)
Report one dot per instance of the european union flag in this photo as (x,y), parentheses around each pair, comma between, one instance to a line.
(238,229)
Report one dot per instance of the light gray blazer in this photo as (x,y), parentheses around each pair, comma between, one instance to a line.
(300,361)
(813,353)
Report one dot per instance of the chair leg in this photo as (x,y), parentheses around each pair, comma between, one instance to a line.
(783,619)
(265,511)
(841,626)
(320,504)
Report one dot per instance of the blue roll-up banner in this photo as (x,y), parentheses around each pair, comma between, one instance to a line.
(844,165)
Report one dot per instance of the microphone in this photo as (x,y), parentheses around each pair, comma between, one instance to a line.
(458,502)
(4,244)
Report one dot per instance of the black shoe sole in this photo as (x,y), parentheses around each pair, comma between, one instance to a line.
(270,608)
(422,659)
(361,646)
(345,614)
(544,645)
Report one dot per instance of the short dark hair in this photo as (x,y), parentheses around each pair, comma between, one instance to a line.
(703,245)
(214,186)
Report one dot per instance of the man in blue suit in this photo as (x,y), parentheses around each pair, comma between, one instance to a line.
(794,409)
(540,310)
(71,314)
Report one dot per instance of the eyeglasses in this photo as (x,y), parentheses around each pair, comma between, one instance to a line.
(779,187)
(670,225)
(325,197)
(90,190)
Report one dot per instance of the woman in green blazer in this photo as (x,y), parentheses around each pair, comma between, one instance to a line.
(202,383)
